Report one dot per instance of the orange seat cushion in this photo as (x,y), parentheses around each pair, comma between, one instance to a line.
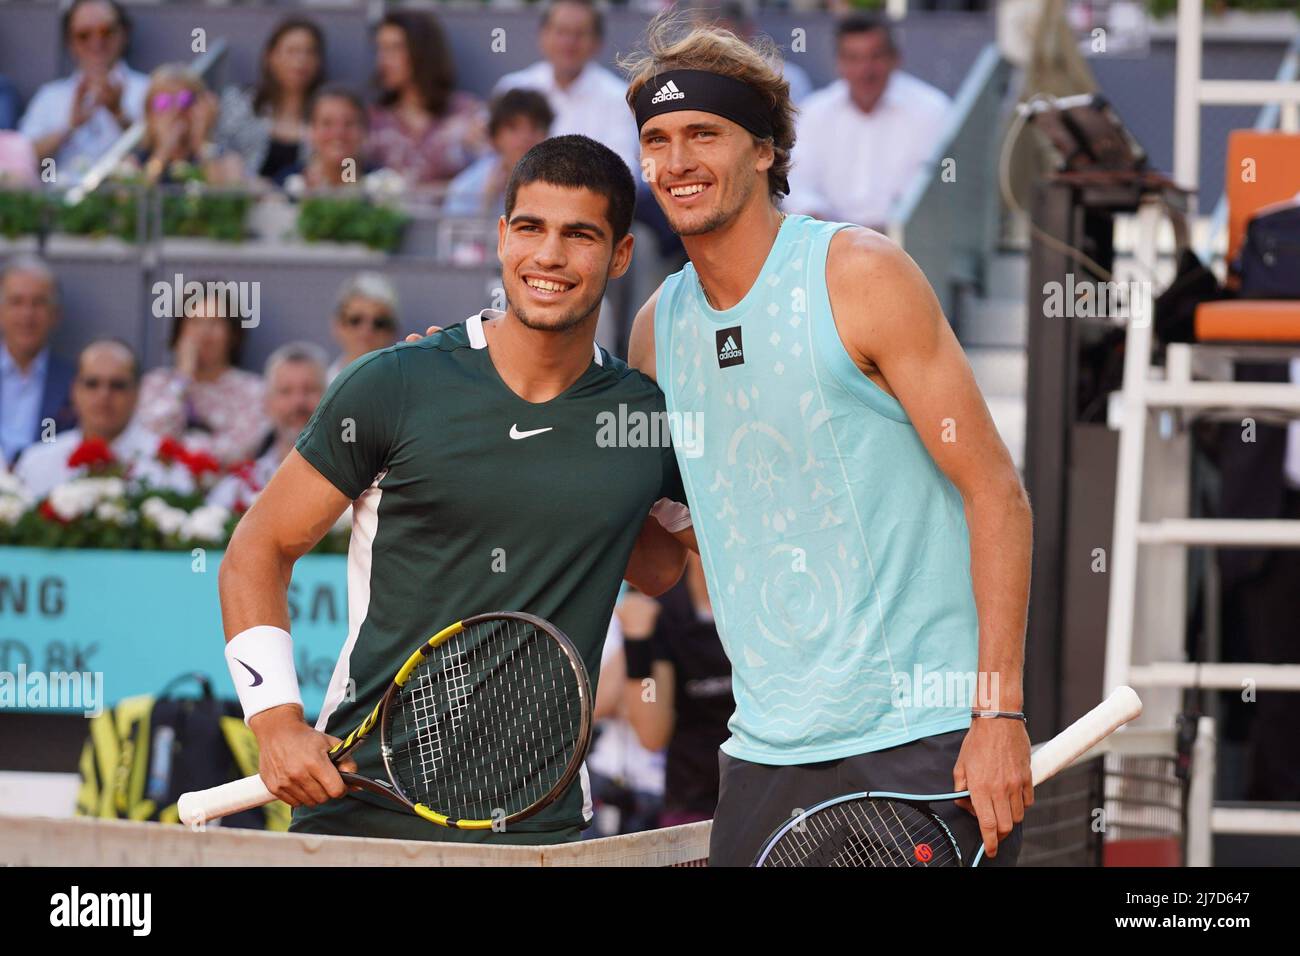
(1249,320)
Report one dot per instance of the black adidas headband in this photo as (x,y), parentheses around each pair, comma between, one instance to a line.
(708,92)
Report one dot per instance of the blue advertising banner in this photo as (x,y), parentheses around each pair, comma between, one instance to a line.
(130,621)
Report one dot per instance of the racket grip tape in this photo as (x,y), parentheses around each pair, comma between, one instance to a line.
(200,806)
(1093,727)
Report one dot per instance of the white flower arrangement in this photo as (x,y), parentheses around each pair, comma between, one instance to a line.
(81,496)
(206,523)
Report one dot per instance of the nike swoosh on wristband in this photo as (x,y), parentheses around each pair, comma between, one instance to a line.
(517,434)
(257,678)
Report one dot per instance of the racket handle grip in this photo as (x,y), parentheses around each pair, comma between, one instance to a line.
(199,806)
(1096,725)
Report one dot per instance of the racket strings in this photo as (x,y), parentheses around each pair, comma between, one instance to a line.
(487,725)
(869,832)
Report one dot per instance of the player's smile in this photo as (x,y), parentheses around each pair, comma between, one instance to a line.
(687,194)
(546,288)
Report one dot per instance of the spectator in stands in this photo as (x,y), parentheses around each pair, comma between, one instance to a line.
(17,161)
(626,778)
(862,139)
(421,127)
(586,98)
(9,103)
(76,119)
(267,126)
(180,115)
(733,15)
(35,384)
(295,381)
(203,399)
(104,394)
(365,319)
(518,120)
(337,137)
(674,643)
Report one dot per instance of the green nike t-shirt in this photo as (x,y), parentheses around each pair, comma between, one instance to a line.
(469,499)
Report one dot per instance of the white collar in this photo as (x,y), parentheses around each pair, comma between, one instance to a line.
(478,340)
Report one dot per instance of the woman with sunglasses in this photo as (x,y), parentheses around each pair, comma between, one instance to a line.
(179,114)
(74,120)
(267,125)
(365,319)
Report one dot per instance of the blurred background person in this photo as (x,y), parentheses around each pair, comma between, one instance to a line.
(35,384)
(517,121)
(104,394)
(76,119)
(9,103)
(180,116)
(586,98)
(203,399)
(677,690)
(626,777)
(17,160)
(736,16)
(365,319)
(267,125)
(860,140)
(294,377)
(422,126)
(339,153)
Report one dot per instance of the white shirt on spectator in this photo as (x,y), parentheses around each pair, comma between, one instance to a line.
(801,84)
(44,466)
(51,108)
(851,166)
(594,105)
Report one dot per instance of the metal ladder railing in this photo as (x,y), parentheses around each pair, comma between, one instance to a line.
(1179,391)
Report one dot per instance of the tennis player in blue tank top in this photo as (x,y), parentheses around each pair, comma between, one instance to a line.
(864,532)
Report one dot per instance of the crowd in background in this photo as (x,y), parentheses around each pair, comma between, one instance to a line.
(299,130)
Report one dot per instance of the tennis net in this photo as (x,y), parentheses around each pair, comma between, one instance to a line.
(40,841)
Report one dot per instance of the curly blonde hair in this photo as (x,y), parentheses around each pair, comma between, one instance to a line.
(675,42)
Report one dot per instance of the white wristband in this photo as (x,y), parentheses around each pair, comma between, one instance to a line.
(672,515)
(261,665)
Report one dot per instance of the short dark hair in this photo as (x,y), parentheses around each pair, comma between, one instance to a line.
(337,91)
(431,64)
(577,162)
(597,17)
(122,19)
(529,104)
(865,23)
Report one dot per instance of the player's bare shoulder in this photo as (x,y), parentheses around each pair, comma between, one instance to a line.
(641,343)
(877,291)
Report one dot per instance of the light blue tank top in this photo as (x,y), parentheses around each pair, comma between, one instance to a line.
(836,552)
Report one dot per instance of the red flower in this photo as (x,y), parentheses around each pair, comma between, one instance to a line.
(48,513)
(199,462)
(93,452)
(170,450)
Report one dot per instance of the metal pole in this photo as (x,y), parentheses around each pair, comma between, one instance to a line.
(1187,96)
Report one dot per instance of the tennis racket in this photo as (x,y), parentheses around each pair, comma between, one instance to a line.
(488,720)
(880,828)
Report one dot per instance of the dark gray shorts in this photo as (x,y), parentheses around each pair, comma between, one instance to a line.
(754,799)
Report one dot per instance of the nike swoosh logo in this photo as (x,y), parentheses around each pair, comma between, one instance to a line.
(517,434)
(257,678)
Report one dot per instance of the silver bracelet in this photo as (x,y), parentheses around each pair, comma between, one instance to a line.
(1010,714)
